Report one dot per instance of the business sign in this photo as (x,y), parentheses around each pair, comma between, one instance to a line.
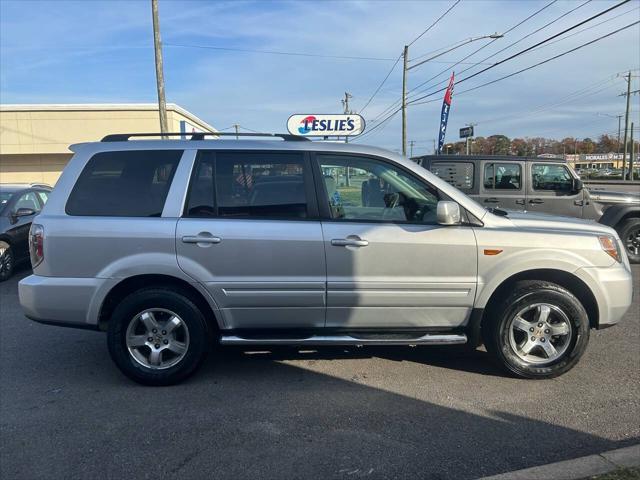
(325,125)
(444,114)
(466,132)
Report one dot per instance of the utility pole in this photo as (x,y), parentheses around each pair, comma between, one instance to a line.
(434,146)
(345,104)
(626,129)
(619,118)
(405,60)
(411,144)
(236,126)
(631,156)
(157,44)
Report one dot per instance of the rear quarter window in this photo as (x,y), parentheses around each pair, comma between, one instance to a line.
(124,184)
(458,174)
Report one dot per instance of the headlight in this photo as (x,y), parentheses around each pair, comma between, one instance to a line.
(610,246)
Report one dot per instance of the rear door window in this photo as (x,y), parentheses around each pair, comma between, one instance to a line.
(458,174)
(502,176)
(248,185)
(124,184)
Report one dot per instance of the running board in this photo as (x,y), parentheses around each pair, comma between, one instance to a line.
(427,339)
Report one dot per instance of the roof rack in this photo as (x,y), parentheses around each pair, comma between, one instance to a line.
(123,137)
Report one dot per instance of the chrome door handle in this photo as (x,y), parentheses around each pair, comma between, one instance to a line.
(200,239)
(491,200)
(536,200)
(349,242)
(520,201)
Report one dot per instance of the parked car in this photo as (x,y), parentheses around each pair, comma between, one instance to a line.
(19,204)
(539,185)
(175,246)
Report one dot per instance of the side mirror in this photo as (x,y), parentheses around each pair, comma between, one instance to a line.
(24,212)
(448,213)
(578,185)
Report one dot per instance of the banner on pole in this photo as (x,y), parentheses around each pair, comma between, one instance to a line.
(444,114)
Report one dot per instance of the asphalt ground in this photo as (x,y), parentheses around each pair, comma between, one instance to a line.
(431,413)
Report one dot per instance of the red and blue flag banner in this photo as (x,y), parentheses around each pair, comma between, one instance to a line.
(444,115)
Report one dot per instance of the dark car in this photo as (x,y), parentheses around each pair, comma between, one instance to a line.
(19,203)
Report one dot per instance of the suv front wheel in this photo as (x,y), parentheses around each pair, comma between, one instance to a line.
(157,336)
(539,331)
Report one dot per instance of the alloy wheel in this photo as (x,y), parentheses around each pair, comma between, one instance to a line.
(540,333)
(632,242)
(157,338)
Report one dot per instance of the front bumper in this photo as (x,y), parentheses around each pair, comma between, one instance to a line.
(61,301)
(613,290)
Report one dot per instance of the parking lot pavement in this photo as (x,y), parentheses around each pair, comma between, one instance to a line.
(429,413)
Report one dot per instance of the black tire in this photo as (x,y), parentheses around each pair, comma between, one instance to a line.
(496,329)
(7,261)
(197,346)
(629,231)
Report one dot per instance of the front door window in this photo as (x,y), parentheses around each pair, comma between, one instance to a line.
(360,189)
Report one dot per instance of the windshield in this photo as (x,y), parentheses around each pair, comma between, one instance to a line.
(4,199)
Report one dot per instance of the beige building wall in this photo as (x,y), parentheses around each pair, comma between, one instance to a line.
(34,139)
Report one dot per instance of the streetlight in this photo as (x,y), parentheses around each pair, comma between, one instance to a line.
(494,36)
(406,68)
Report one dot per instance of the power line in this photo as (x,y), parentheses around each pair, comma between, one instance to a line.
(537,64)
(435,22)
(529,17)
(378,125)
(559,39)
(276,52)
(381,84)
(589,28)
(522,52)
(528,35)
(483,47)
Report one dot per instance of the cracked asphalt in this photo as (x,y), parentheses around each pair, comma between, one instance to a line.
(66,412)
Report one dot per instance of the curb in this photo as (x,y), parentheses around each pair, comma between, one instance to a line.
(578,468)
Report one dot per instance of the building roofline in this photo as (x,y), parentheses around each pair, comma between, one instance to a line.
(105,107)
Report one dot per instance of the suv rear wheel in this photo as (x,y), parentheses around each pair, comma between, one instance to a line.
(157,336)
(539,331)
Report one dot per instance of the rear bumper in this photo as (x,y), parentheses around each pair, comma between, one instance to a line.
(613,290)
(60,301)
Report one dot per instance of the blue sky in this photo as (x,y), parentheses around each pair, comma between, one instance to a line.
(91,51)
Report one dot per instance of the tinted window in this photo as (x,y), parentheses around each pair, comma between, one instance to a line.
(368,189)
(27,200)
(44,196)
(124,184)
(458,174)
(551,177)
(502,176)
(261,185)
(4,199)
(201,199)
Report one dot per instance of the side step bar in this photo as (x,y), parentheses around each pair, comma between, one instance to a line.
(427,339)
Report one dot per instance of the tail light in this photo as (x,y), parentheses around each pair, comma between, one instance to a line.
(36,244)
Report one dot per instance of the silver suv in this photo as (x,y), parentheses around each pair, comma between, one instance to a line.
(175,246)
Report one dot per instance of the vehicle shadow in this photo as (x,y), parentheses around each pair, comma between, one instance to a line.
(270,414)
(454,357)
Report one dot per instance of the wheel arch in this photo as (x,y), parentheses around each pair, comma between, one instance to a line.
(137,282)
(563,278)
(616,214)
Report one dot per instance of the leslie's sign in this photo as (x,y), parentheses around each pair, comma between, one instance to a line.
(325,125)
